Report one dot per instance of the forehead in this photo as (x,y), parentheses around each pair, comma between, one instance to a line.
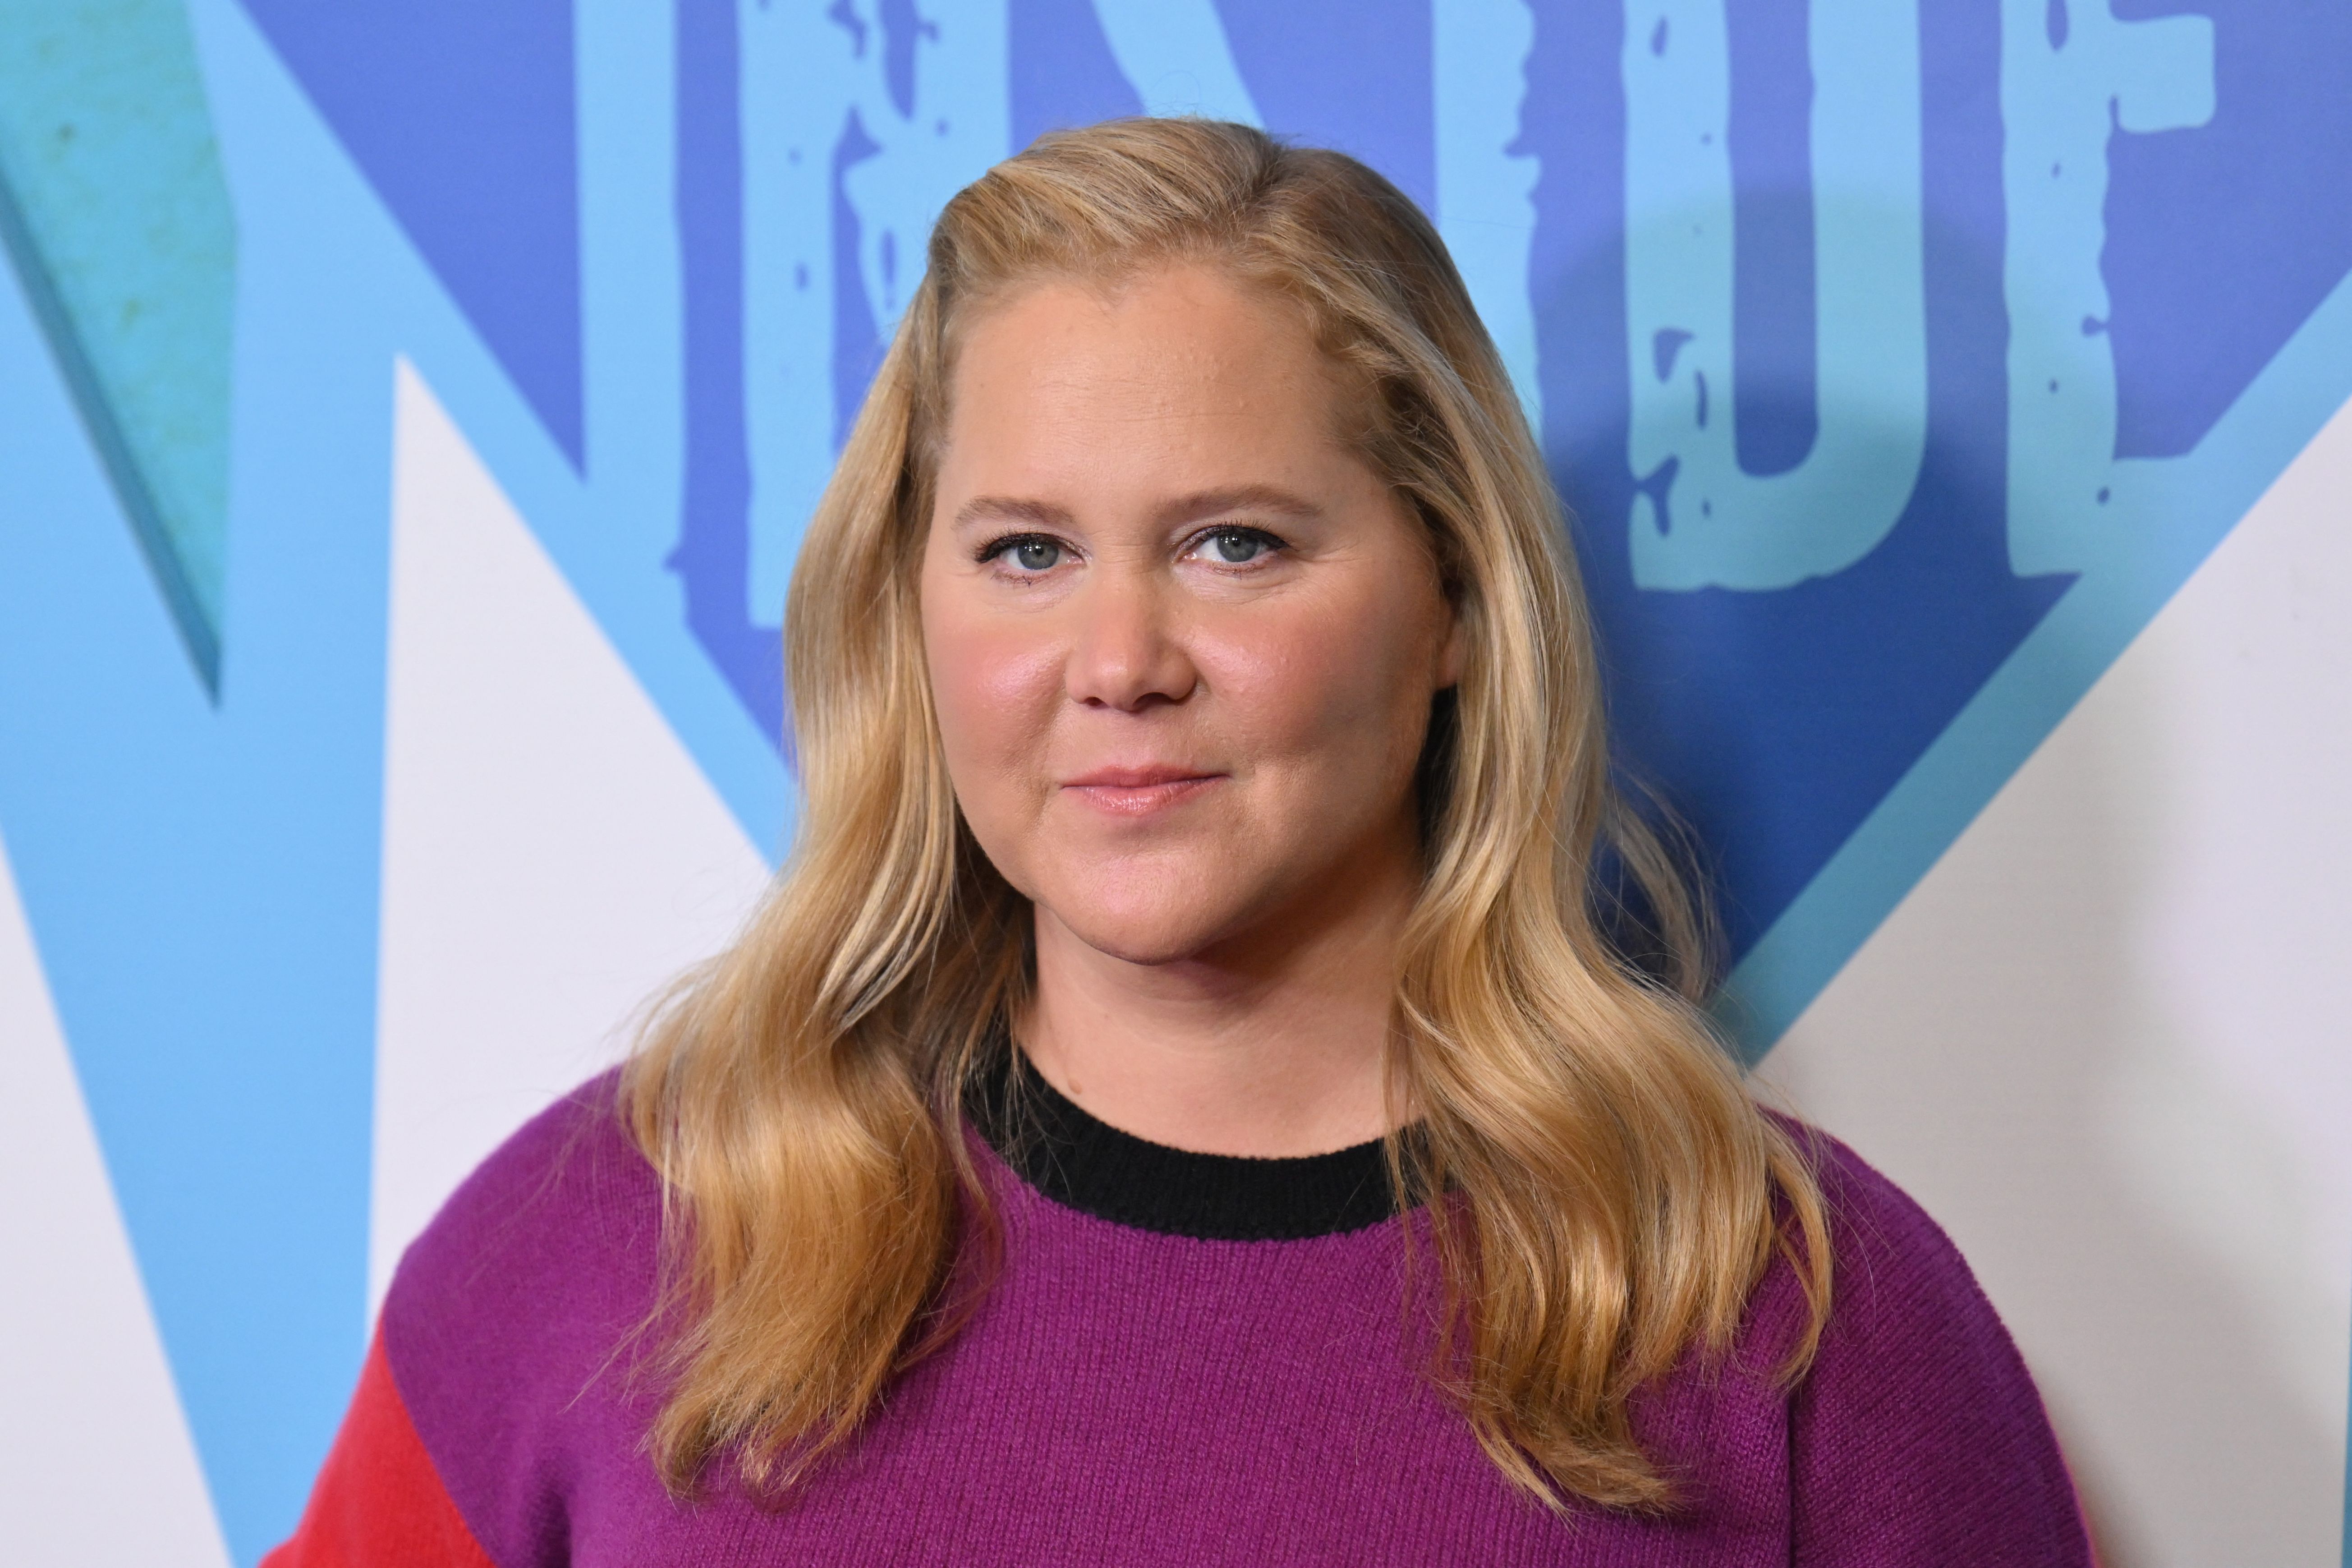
(1178,357)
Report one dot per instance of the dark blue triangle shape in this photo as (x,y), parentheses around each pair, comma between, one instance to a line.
(462,117)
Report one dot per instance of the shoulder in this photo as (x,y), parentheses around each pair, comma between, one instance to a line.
(1917,1435)
(1897,1274)
(568,1199)
(513,1323)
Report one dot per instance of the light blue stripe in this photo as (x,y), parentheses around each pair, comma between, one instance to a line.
(1485,191)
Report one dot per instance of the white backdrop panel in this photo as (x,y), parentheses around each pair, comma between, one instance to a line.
(552,856)
(2104,1042)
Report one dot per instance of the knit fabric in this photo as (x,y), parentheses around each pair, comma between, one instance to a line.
(379,1498)
(1127,1396)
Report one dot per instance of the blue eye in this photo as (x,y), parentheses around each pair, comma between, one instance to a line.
(1237,546)
(1033,554)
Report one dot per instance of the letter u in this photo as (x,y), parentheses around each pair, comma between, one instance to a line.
(1706,523)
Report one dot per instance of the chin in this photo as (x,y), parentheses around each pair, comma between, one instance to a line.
(1151,919)
(1161,937)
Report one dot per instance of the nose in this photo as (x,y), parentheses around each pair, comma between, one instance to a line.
(1125,655)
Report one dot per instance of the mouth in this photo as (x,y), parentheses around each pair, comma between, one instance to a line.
(1139,792)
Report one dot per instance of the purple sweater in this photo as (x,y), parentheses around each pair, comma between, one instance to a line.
(1196,1360)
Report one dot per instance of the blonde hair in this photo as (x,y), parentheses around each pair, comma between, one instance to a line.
(1612,1193)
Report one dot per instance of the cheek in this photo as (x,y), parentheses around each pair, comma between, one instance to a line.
(1337,687)
(993,682)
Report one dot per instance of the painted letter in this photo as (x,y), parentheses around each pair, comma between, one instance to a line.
(1706,523)
(1486,193)
(2070,75)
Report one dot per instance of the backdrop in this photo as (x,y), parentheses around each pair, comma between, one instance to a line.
(409,410)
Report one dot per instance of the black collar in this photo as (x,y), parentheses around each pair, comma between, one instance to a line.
(1091,1167)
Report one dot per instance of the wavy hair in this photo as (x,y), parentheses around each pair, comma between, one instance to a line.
(1612,1192)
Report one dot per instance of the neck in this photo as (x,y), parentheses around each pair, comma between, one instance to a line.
(1272,1042)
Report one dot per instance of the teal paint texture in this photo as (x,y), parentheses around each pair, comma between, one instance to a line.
(114,209)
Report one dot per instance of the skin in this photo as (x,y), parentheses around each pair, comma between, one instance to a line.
(1182,642)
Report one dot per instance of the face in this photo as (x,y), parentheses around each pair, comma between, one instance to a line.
(1182,639)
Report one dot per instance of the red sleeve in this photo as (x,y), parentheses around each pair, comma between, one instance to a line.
(378,1500)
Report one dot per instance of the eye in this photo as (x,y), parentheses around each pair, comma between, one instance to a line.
(1237,546)
(1030,552)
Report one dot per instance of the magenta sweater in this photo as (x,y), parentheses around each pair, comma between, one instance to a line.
(1187,1360)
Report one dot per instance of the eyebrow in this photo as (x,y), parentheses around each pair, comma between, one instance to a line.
(1009,509)
(1175,514)
(1238,497)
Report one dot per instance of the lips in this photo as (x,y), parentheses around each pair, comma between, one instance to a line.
(1140,791)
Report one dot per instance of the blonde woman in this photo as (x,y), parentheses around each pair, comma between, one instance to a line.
(1178,1103)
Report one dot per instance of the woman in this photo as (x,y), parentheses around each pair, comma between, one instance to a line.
(1179,1104)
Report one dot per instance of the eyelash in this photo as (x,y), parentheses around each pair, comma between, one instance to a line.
(996,547)
(1274,544)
